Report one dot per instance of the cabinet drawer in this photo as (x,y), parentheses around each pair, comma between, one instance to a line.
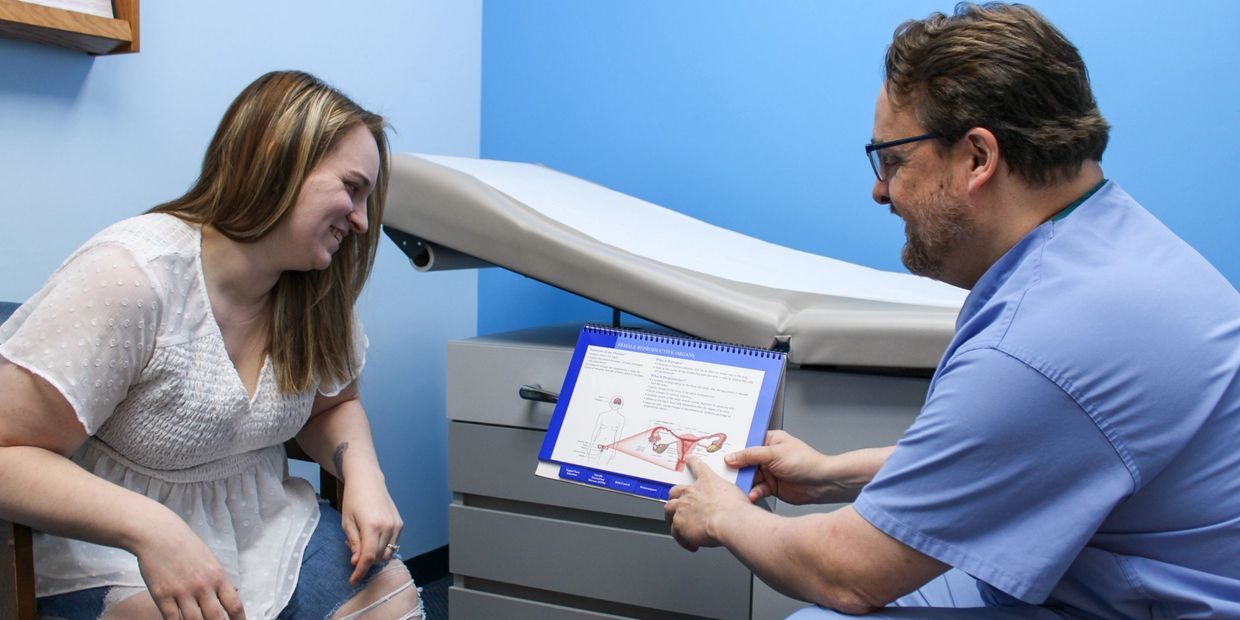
(485,373)
(597,562)
(495,461)
(466,603)
(840,411)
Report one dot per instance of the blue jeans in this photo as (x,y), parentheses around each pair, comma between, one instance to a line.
(322,584)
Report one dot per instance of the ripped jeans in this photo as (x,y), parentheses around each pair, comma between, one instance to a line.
(322,587)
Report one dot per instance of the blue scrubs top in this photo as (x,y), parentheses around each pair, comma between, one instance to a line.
(1080,443)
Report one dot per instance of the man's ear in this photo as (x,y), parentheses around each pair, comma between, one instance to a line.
(982,150)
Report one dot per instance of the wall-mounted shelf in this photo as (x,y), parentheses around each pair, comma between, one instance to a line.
(79,31)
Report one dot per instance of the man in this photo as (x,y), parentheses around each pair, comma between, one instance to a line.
(1077,453)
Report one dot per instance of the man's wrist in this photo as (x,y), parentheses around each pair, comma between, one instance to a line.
(725,526)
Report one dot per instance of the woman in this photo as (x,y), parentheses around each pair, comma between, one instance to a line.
(150,385)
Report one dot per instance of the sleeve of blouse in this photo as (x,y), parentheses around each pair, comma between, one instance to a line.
(329,387)
(89,331)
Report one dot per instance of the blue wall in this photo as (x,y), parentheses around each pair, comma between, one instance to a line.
(87,141)
(747,115)
(752,115)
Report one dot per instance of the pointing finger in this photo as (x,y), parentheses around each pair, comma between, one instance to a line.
(698,468)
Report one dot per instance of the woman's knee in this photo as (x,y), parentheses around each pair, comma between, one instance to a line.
(130,604)
(390,595)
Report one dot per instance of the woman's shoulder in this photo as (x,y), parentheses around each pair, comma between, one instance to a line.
(159,249)
(151,236)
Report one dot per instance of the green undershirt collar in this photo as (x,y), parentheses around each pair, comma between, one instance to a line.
(1078,202)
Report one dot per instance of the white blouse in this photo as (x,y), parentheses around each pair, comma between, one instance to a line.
(124,330)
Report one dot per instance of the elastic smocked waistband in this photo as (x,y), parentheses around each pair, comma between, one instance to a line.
(226,467)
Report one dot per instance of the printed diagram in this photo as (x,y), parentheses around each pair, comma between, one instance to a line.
(666,448)
(635,407)
(607,429)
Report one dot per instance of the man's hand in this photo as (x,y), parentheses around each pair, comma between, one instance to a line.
(694,509)
(836,559)
(794,472)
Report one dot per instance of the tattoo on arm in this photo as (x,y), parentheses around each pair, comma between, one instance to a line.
(338,459)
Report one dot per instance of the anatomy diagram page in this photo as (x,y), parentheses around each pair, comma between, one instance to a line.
(635,405)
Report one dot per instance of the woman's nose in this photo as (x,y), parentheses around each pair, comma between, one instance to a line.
(358,219)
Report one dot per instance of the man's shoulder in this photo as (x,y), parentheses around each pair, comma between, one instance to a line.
(1104,279)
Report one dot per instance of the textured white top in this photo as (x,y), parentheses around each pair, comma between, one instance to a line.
(124,330)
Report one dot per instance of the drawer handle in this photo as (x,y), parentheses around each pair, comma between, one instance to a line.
(535,392)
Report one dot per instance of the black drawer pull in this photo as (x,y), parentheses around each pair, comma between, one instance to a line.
(535,392)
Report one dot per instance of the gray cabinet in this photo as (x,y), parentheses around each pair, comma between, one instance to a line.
(528,547)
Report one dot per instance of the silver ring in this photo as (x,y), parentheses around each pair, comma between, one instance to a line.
(393,548)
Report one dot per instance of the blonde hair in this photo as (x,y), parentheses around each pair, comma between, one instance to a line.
(269,140)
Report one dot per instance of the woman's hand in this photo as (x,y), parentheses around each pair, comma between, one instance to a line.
(38,429)
(183,576)
(371,522)
(338,437)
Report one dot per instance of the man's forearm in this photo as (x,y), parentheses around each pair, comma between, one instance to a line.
(792,555)
(851,471)
(837,559)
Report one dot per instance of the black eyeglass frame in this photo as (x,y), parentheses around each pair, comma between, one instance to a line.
(874,147)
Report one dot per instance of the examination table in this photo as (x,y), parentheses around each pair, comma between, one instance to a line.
(861,345)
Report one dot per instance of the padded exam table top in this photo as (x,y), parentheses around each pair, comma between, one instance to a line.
(664,266)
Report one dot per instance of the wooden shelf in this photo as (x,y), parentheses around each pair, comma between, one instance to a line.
(79,31)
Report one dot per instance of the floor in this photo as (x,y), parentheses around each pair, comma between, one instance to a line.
(435,598)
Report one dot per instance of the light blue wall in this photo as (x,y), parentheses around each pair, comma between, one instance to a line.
(87,141)
(752,115)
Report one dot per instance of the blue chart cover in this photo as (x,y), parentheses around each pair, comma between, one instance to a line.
(635,405)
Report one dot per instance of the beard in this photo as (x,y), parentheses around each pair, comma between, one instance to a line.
(933,234)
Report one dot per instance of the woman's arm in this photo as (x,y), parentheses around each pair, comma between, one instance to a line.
(337,436)
(41,487)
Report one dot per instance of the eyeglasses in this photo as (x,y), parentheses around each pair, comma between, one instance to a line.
(872,149)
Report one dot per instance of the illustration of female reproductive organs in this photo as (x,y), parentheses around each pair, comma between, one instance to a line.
(658,445)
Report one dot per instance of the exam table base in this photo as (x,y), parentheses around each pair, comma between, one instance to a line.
(528,547)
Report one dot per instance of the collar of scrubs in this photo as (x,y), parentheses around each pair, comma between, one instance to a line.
(1078,202)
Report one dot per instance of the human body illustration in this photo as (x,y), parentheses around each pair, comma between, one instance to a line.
(609,426)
